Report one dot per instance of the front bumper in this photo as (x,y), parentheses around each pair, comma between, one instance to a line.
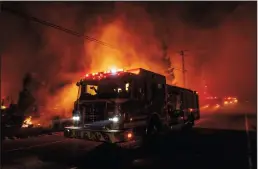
(104,135)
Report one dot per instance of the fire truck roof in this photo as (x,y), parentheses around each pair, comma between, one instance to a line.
(134,72)
(118,72)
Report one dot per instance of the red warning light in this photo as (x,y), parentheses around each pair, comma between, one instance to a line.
(100,75)
(129,135)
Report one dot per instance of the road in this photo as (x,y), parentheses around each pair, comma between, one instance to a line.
(219,140)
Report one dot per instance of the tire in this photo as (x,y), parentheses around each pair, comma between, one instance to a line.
(152,132)
(189,124)
(152,136)
(153,128)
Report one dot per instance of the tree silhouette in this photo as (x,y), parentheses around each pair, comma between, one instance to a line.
(169,71)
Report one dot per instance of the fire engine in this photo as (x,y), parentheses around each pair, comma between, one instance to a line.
(120,106)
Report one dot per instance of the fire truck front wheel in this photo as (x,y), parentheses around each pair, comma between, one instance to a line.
(189,125)
(154,127)
(191,120)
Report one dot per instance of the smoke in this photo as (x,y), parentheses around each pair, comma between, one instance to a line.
(135,46)
(221,45)
(55,57)
(218,39)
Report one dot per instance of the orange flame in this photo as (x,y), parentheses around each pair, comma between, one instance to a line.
(27,122)
(131,51)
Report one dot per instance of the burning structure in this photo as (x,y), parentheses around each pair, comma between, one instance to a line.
(20,114)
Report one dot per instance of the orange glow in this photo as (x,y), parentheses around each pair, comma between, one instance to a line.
(129,135)
(60,104)
(115,70)
(134,71)
(3,107)
(101,75)
(225,102)
(131,51)
(205,107)
(27,122)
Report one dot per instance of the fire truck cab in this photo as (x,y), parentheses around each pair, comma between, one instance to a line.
(121,106)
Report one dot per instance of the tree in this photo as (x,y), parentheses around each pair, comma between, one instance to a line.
(169,71)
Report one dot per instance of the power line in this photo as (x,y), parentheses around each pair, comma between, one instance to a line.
(49,24)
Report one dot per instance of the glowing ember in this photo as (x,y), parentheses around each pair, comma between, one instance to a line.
(27,122)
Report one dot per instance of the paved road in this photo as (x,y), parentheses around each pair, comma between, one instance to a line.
(209,145)
(224,119)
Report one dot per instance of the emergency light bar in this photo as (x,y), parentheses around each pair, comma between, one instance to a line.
(101,75)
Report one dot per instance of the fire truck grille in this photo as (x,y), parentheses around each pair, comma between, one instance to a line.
(93,112)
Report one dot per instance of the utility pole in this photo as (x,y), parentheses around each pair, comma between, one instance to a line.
(182,53)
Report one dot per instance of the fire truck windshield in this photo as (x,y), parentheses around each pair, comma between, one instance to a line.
(105,89)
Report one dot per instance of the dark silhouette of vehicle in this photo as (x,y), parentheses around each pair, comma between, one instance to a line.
(123,106)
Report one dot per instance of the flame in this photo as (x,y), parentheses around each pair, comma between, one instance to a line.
(131,51)
(134,48)
(61,104)
(27,122)
(3,107)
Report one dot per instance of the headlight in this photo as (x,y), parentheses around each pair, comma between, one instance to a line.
(76,118)
(114,119)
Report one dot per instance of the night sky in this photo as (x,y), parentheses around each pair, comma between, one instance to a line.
(220,37)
